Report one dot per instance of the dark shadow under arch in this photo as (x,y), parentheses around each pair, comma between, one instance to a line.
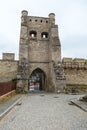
(38,79)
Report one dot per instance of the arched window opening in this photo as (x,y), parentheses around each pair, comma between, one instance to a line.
(33,34)
(44,35)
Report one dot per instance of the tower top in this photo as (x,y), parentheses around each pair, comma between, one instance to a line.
(24,13)
(52,15)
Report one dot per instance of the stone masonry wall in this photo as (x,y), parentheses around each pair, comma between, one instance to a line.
(75,76)
(8,70)
(75,71)
(38,51)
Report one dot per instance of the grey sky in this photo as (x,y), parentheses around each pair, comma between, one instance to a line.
(71,17)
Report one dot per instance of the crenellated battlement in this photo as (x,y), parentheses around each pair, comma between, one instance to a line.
(76,63)
(29,20)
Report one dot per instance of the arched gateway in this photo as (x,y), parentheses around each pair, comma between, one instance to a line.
(39,48)
(37,79)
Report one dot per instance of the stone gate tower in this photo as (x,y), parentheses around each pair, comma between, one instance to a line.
(39,54)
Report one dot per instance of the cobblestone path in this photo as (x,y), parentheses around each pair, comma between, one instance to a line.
(45,112)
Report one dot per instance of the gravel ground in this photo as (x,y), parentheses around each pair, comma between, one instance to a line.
(45,112)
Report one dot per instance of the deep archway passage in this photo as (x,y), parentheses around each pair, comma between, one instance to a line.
(37,80)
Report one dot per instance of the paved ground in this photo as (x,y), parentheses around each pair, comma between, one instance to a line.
(45,112)
(5,105)
(80,104)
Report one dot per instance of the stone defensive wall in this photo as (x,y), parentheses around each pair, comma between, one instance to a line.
(75,72)
(8,67)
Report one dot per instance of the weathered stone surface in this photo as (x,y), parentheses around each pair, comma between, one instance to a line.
(75,76)
(39,46)
(8,70)
(60,76)
(8,56)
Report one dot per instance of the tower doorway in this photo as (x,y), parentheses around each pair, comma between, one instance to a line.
(37,80)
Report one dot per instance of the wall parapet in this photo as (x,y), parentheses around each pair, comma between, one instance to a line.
(77,63)
(8,56)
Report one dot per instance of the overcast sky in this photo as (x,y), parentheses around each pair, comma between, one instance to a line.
(71,17)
